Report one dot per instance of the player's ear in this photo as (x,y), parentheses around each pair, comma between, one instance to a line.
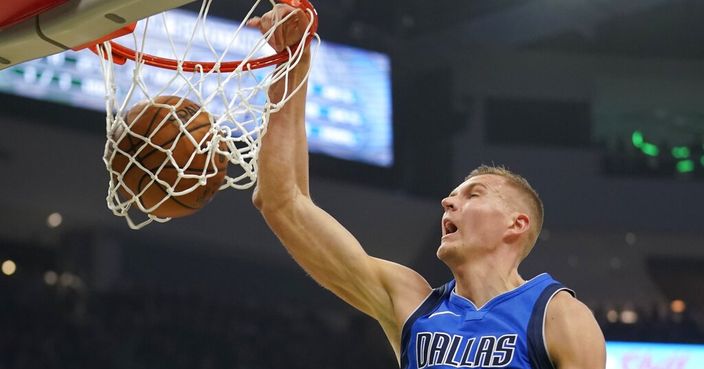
(520,224)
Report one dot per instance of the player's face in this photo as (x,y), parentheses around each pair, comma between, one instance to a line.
(477,215)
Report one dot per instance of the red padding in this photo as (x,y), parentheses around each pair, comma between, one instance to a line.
(15,11)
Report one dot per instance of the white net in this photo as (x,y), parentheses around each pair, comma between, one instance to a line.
(174,137)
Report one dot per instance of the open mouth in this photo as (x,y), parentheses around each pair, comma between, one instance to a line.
(448,227)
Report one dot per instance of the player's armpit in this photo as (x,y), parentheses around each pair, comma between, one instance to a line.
(573,337)
(408,290)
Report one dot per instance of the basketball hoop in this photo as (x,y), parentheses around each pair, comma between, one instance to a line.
(122,53)
(233,94)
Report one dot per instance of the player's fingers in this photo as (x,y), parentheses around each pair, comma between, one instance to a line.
(302,17)
(276,16)
(287,32)
(266,22)
(254,22)
(278,40)
(282,10)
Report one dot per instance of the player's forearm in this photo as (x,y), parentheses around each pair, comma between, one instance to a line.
(283,158)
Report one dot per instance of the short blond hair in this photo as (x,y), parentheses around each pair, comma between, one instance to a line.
(522,185)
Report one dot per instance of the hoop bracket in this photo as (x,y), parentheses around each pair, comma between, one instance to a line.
(93,45)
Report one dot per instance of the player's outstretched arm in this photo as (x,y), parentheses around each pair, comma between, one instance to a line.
(573,337)
(324,248)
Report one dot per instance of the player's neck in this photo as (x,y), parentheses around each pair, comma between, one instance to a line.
(482,280)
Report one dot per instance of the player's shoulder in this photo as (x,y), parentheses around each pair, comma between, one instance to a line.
(565,303)
(572,333)
(565,312)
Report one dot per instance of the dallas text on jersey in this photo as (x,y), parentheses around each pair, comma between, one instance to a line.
(439,348)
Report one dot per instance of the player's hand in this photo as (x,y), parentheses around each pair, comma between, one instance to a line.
(287,34)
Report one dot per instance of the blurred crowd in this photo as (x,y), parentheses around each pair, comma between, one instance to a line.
(57,327)
(657,323)
(48,328)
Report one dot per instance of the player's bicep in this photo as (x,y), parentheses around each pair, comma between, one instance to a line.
(574,339)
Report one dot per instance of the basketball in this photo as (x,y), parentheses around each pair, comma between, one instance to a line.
(154,129)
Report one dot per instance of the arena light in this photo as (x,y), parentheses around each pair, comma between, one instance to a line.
(647,148)
(54,220)
(685,166)
(650,149)
(612,316)
(680,152)
(50,277)
(678,306)
(629,316)
(637,139)
(9,267)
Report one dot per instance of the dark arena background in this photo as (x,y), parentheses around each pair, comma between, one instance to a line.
(600,104)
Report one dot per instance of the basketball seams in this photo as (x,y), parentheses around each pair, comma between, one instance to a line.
(149,127)
(158,185)
(132,124)
(176,200)
(162,189)
(177,137)
(132,127)
(190,170)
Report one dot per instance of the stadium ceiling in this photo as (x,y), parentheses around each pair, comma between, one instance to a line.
(535,20)
(651,28)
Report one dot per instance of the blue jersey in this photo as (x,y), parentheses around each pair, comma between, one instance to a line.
(449,331)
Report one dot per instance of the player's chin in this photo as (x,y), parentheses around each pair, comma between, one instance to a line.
(444,251)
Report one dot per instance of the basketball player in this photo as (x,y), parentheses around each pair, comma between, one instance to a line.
(488,316)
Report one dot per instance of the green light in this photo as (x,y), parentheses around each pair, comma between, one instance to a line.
(637,139)
(650,149)
(680,152)
(685,166)
(701,160)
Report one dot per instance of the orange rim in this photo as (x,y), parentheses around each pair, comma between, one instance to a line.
(120,53)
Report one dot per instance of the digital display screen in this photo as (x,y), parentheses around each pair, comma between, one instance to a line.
(643,355)
(348,111)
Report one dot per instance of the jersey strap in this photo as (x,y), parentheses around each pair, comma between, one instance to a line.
(537,350)
(430,303)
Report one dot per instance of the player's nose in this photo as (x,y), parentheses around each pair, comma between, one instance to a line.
(448,203)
